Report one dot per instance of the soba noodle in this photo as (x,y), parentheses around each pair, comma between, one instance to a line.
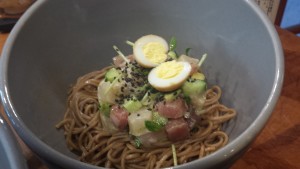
(85,135)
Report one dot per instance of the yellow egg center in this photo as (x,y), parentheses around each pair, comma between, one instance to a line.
(155,52)
(169,69)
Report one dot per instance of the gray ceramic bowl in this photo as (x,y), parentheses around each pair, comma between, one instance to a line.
(11,156)
(57,41)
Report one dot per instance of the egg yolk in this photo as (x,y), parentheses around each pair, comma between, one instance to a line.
(169,69)
(155,52)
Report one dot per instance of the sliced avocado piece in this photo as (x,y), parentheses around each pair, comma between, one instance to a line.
(172,96)
(132,105)
(191,87)
(112,74)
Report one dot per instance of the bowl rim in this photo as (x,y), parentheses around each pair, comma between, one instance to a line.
(238,144)
(11,148)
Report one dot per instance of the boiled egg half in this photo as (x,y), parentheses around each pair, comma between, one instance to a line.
(169,75)
(150,50)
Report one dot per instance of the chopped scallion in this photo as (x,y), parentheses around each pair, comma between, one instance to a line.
(202,59)
(172,44)
(153,126)
(121,54)
(137,142)
(129,43)
(187,50)
(105,109)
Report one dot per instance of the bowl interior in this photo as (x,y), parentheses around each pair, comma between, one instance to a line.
(62,40)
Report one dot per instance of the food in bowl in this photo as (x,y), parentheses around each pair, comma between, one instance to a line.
(151,109)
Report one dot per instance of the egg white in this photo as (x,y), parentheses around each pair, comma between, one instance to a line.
(172,83)
(138,49)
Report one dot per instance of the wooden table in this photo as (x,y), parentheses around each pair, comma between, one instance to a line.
(278,145)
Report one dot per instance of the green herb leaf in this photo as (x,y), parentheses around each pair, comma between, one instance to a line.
(152,126)
(172,44)
(162,121)
(187,50)
(137,142)
(105,109)
(187,99)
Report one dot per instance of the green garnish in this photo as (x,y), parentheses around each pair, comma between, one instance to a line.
(112,74)
(172,54)
(187,50)
(132,105)
(193,86)
(162,121)
(187,99)
(157,123)
(172,44)
(137,142)
(172,96)
(105,109)
(152,126)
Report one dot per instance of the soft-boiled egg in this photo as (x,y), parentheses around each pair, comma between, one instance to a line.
(169,75)
(150,50)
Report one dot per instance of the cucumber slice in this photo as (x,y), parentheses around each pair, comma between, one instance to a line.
(105,109)
(132,105)
(157,122)
(192,87)
(152,126)
(162,121)
(112,74)
(172,96)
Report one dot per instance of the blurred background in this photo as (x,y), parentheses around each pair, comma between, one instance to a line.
(283,13)
(291,17)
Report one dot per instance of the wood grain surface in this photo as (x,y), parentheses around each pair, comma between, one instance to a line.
(278,145)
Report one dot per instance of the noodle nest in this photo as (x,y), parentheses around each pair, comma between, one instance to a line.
(86,137)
